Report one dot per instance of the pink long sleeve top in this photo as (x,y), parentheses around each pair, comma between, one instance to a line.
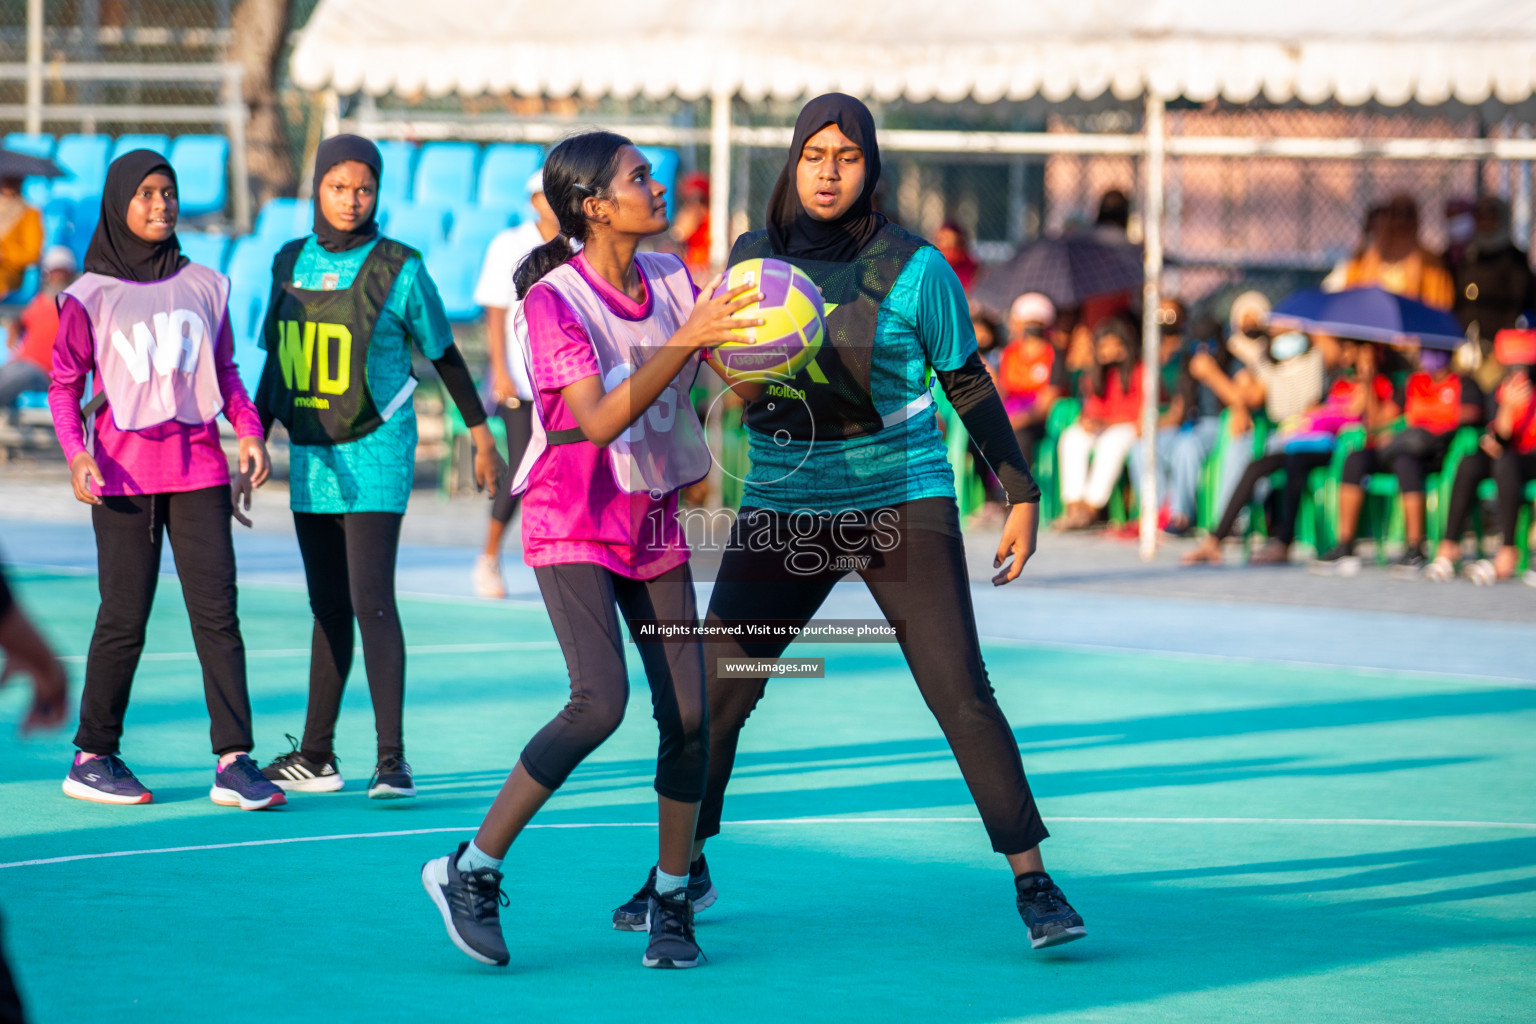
(162,459)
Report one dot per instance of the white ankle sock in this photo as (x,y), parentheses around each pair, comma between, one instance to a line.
(475,859)
(666,883)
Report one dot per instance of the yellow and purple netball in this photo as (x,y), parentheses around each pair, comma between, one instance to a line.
(796,321)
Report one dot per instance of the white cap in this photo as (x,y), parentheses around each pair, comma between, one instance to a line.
(1032,307)
(535,182)
(59,257)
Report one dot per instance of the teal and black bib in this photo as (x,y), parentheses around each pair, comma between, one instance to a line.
(315,381)
(831,395)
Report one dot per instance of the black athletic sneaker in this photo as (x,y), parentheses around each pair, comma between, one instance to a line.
(1339,560)
(1410,564)
(105,780)
(634,916)
(241,784)
(1047,914)
(671,929)
(391,780)
(295,772)
(469,903)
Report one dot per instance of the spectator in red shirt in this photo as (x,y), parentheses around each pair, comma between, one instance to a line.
(956,247)
(1091,452)
(32,337)
(1436,401)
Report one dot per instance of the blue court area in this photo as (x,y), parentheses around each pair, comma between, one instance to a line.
(1263,831)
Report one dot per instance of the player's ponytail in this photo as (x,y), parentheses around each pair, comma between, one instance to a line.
(579,168)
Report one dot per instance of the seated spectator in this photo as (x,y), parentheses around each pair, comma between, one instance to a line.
(1436,402)
(1202,387)
(1392,258)
(690,224)
(1510,444)
(1092,452)
(21,235)
(32,335)
(951,240)
(1290,378)
(1513,349)
(1032,374)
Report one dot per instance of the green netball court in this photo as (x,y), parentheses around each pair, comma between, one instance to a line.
(1254,840)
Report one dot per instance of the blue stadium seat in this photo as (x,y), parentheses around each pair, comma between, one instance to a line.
(127,143)
(420,227)
(205,247)
(399,165)
(664,170)
(201,163)
(58,222)
(504,173)
(455,270)
(28,287)
(475,233)
(250,283)
(445,173)
(32,145)
(283,218)
(83,158)
(83,226)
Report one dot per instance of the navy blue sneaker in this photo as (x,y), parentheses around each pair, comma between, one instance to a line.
(1047,914)
(105,780)
(391,780)
(241,784)
(634,916)
(671,926)
(470,903)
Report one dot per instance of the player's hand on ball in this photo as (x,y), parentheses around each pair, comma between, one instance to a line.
(714,320)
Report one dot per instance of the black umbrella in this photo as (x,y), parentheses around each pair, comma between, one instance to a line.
(21,165)
(1065,270)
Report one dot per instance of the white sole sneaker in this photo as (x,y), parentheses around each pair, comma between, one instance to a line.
(384,792)
(313,784)
(1060,938)
(434,875)
(229,798)
(81,791)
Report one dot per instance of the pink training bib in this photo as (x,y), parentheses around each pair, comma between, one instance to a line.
(664,450)
(154,344)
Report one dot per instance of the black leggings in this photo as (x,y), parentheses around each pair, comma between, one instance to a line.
(1298,466)
(519,424)
(1410,456)
(1470,473)
(349,564)
(130,532)
(917,573)
(584,602)
(1512,470)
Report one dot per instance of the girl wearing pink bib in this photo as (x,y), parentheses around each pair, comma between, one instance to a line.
(614,340)
(152,330)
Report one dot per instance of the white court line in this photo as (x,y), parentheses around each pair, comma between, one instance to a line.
(1522,826)
(294,652)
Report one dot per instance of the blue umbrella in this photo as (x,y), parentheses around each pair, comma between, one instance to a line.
(1369,314)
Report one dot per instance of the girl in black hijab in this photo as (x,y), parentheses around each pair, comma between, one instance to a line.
(151,329)
(853,439)
(347,305)
(115,251)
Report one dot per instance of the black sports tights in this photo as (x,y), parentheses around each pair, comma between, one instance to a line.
(1512,471)
(584,603)
(349,563)
(919,581)
(1298,466)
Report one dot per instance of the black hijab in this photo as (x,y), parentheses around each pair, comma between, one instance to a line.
(791,230)
(335,150)
(114,250)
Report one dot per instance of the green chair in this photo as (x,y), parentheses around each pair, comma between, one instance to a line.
(1064,412)
(970,490)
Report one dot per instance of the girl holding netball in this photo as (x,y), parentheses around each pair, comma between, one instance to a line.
(615,339)
(151,329)
(861,455)
(346,306)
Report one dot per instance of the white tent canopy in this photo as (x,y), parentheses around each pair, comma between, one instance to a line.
(1429,51)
